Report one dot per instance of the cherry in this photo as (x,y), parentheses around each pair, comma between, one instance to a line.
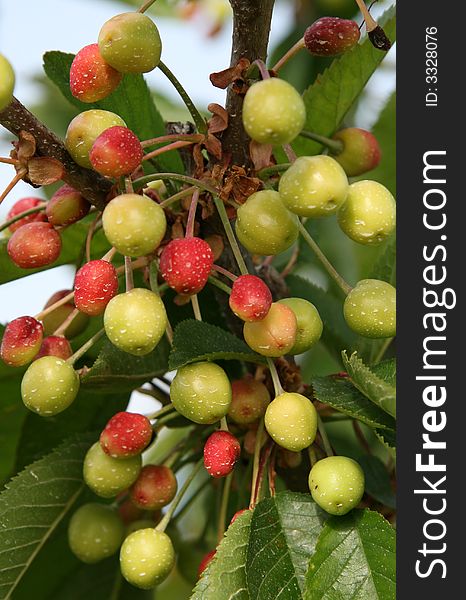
(66,206)
(250,298)
(131,43)
(250,399)
(309,324)
(361,151)
(314,186)
(108,476)
(369,214)
(21,341)
(221,452)
(116,152)
(95,531)
(264,225)
(337,484)
(55,345)
(20,207)
(273,112)
(34,245)
(291,421)
(370,309)
(49,386)
(126,434)
(331,36)
(7,82)
(91,78)
(84,129)
(55,318)
(154,488)
(201,392)
(185,264)
(135,321)
(275,335)
(95,284)
(133,224)
(205,562)
(146,558)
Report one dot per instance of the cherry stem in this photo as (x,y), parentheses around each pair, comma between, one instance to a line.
(153,277)
(338,279)
(20,216)
(225,272)
(262,68)
(290,153)
(108,257)
(383,349)
(12,184)
(178,196)
(273,170)
(167,148)
(138,183)
(271,472)
(146,6)
(336,146)
(312,455)
(224,506)
(221,286)
(169,332)
(224,424)
(129,279)
(261,471)
(43,313)
(371,23)
(198,119)
(192,214)
(173,506)
(85,347)
(255,463)
(291,263)
(289,54)
(275,378)
(157,414)
(323,434)
(176,137)
(69,319)
(196,307)
(90,234)
(230,235)
(361,438)
(156,393)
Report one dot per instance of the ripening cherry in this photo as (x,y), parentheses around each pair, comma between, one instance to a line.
(95,284)
(146,558)
(250,298)
(130,42)
(55,318)
(21,341)
(154,488)
(370,309)
(7,82)
(221,452)
(291,421)
(91,77)
(249,401)
(361,151)
(309,324)
(34,245)
(66,206)
(331,36)
(116,152)
(21,206)
(55,345)
(185,264)
(126,434)
(275,335)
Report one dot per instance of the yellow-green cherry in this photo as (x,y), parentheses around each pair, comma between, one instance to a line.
(7,82)
(291,421)
(147,558)
(309,324)
(370,309)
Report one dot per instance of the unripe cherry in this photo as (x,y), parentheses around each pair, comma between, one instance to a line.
(66,206)
(331,36)
(309,324)
(95,284)
(370,309)
(133,224)
(221,452)
(55,345)
(135,321)
(49,386)
(249,402)
(116,152)
(126,434)
(205,562)
(84,129)
(275,335)
(250,298)
(55,318)
(91,77)
(361,151)
(154,488)
(147,558)
(131,43)
(185,264)
(108,476)
(291,421)
(20,207)
(7,82)
(34,245)
(21,341)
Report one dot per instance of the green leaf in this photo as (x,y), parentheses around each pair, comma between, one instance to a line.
(386,437)
(354,559)
(196,340)
(115,371)
(344,397)
(132,101)
(386,370)
(385,266)
(377,480)
(32,506)
(284,533)
(225,576)
(335,91)
(378,391)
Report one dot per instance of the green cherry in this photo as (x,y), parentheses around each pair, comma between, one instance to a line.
(370,309)
(7,82)
(291,421)
(108,476)
(309,324)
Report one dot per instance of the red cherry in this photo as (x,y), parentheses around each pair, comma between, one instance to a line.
(34,245)
(95,284)
(116,152)
(186,263)
(154,488)
(21,206)
(331,36)
(126,434)
(250,298)
(21,341)
(91,77)
(66,206)
(205,561)
(55,345)
(361,151)
(221,451)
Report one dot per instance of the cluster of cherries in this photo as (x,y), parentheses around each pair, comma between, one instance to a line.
(135,321)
